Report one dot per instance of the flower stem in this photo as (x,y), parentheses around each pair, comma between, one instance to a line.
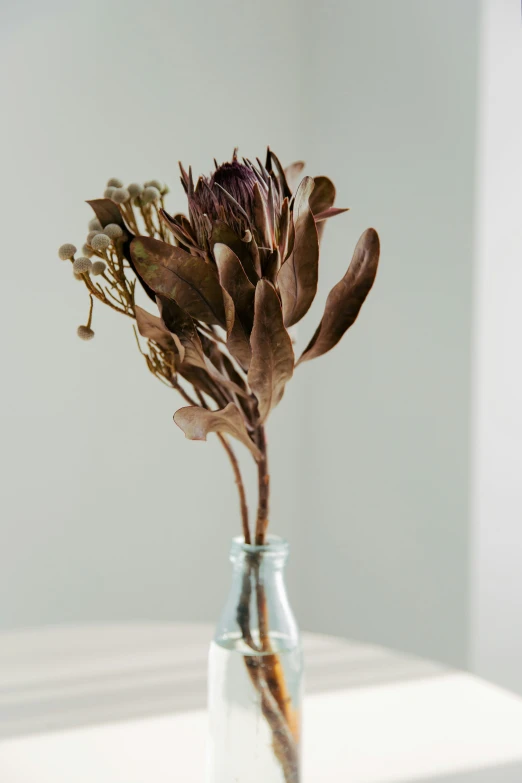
(263,487)
(240,487)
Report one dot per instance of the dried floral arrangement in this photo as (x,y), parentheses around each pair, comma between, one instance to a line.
(227,282)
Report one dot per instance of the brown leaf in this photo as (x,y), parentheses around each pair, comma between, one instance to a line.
(152,328)
(196,423)
(347,297)
(235,282)
(186,279)
(279,172)
(323,195)
(297,278)
(261,217)
(321,200)
(293,173)
(328,213)
(247,252)
(107,212)
(272,363)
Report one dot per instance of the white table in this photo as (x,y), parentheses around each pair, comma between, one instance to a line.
(125,704)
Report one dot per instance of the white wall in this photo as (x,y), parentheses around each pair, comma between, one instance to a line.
(497,476)
(106,512)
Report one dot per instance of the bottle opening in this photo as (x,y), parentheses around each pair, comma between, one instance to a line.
(275,546)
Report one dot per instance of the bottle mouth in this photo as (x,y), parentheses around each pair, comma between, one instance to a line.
(275,546)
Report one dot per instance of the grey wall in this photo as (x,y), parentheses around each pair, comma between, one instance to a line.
(386,416)
(106,512)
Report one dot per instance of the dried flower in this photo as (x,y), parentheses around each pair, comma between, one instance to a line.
(98,267)
(135,189)
(87,250)
(114,183)
(85,333)
(95,225)
(67,251)
(150,193)
(92,234)
(113,231)
(120,195)
(108,192)
(82,265)
(100,242)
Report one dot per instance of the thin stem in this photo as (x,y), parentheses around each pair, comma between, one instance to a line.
(263,487)
(240,487)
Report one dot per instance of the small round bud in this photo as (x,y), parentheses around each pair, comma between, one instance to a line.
(115,183)
(85,333)
(95,225)
(108,193)
(165,189)
(100,242)
(113,231)
(154,183)
(150,194)
(87,251)
(67,251)
(98,268)
(135,189)
(120,195)
(82,265)
(92,234)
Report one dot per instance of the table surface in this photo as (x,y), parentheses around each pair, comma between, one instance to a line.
(125,704)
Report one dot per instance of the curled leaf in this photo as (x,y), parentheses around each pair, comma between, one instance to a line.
(292,174)
(197,422)
(297,278)
(272,362)
(247,252)
(152,328)
(328,213)
(186,279)
(347,297)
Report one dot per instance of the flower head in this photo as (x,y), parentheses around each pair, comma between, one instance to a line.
(114,182)
(85,333)
(67,251)
(95,225)
(98,267)
(120,195)
(82,265)
(100,242)
(135,189)
(150,193)
(113,230)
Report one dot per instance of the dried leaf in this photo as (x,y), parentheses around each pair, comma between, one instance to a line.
(328,213)
(107,212)
(196,423)
(186,279)
(152,328)
(277,169)
(297,278)
(323,195)
(293,173)
(272,363)
(234,280)
(261,217)
(246,251)
(347,297)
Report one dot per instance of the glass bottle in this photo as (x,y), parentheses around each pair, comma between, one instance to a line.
(255,674)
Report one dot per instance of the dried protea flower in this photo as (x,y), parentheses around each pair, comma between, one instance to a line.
(82,265)
(120,195)
(67,251)
(114,183)
(113,231)
(150,194)
(135,189)
(98,267)
(100,242)
(85,333)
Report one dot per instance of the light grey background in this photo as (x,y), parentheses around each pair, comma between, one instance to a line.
(106,512)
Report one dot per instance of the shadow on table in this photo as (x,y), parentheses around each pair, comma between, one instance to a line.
(506,773)
(61,678)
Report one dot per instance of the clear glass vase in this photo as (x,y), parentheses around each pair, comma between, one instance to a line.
(255,674)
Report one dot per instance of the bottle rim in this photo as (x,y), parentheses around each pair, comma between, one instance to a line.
(275,545)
